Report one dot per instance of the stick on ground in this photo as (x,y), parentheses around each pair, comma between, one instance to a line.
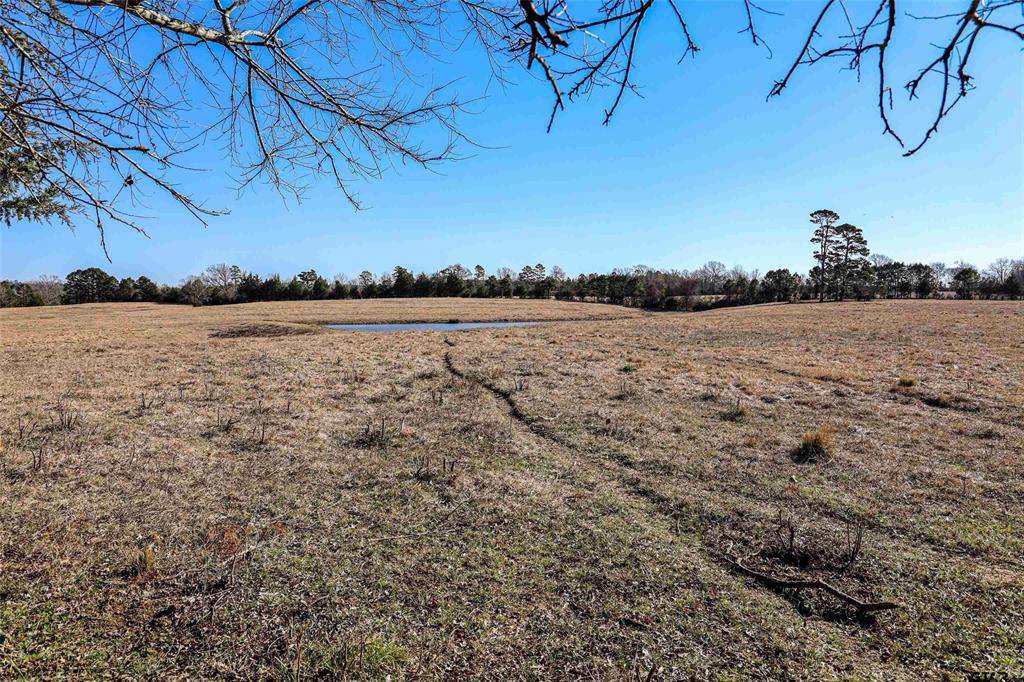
(787,584)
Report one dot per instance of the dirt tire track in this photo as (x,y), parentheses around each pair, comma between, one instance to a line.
(630,484)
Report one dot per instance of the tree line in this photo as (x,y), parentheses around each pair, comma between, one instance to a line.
(844,268)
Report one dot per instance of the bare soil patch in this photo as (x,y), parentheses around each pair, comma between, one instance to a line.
(264,330)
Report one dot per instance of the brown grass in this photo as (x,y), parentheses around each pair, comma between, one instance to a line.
(176,505)
(815,445)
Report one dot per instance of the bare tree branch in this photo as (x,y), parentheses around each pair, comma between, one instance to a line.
(102,98)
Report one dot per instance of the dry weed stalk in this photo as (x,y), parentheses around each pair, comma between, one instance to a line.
(626,391)
(38,458)
(259,409)
(259,432)
(431,469)
(25,429)
(67,417)
(224,421)
(143,403)
(854,544)
(209,392)
(380,435)
(142,563)
(785,533)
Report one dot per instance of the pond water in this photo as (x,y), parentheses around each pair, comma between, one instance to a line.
(428,326)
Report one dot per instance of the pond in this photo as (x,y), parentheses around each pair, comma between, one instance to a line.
(429,326)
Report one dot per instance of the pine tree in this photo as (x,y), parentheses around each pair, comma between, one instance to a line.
(825,238)
(90,285)
(851,256)
(25,191)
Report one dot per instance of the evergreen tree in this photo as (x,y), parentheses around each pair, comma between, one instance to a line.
(127,290)
(250,288)
(966,280)
(825,238)
(19,295)
(27,192)
(922,280)
(194,291)
(319,289)
(778,285)
(147,288)
(423,286)
(403,282)
(90,285)
(453,281)
(850,258)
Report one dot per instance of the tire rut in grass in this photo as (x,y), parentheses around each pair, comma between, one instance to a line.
(627,477)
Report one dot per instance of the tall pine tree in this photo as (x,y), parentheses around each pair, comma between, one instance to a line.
(826,240)
(850,257)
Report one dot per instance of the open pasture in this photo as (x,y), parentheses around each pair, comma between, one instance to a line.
(236,492)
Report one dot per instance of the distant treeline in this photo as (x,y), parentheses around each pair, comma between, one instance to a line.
(711,285)
(844,270)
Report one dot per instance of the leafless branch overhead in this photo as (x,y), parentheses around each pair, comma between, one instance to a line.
(102,98)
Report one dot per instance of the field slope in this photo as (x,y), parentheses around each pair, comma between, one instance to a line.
(235,492)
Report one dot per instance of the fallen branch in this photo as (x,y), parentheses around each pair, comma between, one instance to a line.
(785,584)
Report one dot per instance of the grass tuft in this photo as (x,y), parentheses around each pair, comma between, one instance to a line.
(142,563)
(815,446)
(735,412)
(374,659)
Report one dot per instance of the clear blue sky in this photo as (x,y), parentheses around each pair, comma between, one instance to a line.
(700,168)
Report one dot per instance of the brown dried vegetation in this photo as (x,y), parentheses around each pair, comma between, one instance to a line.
(509,503)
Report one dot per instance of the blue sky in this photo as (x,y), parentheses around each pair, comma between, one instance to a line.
(700,168)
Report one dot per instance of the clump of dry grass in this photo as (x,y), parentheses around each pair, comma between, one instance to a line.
(829,374)
(627,390)
(815,446)
(735,412)
(142,563)
(617,430)
(710,394)
(907,381)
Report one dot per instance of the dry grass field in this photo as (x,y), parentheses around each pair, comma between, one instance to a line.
(236,493)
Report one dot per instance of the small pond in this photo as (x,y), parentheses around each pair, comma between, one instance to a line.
(428,326)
